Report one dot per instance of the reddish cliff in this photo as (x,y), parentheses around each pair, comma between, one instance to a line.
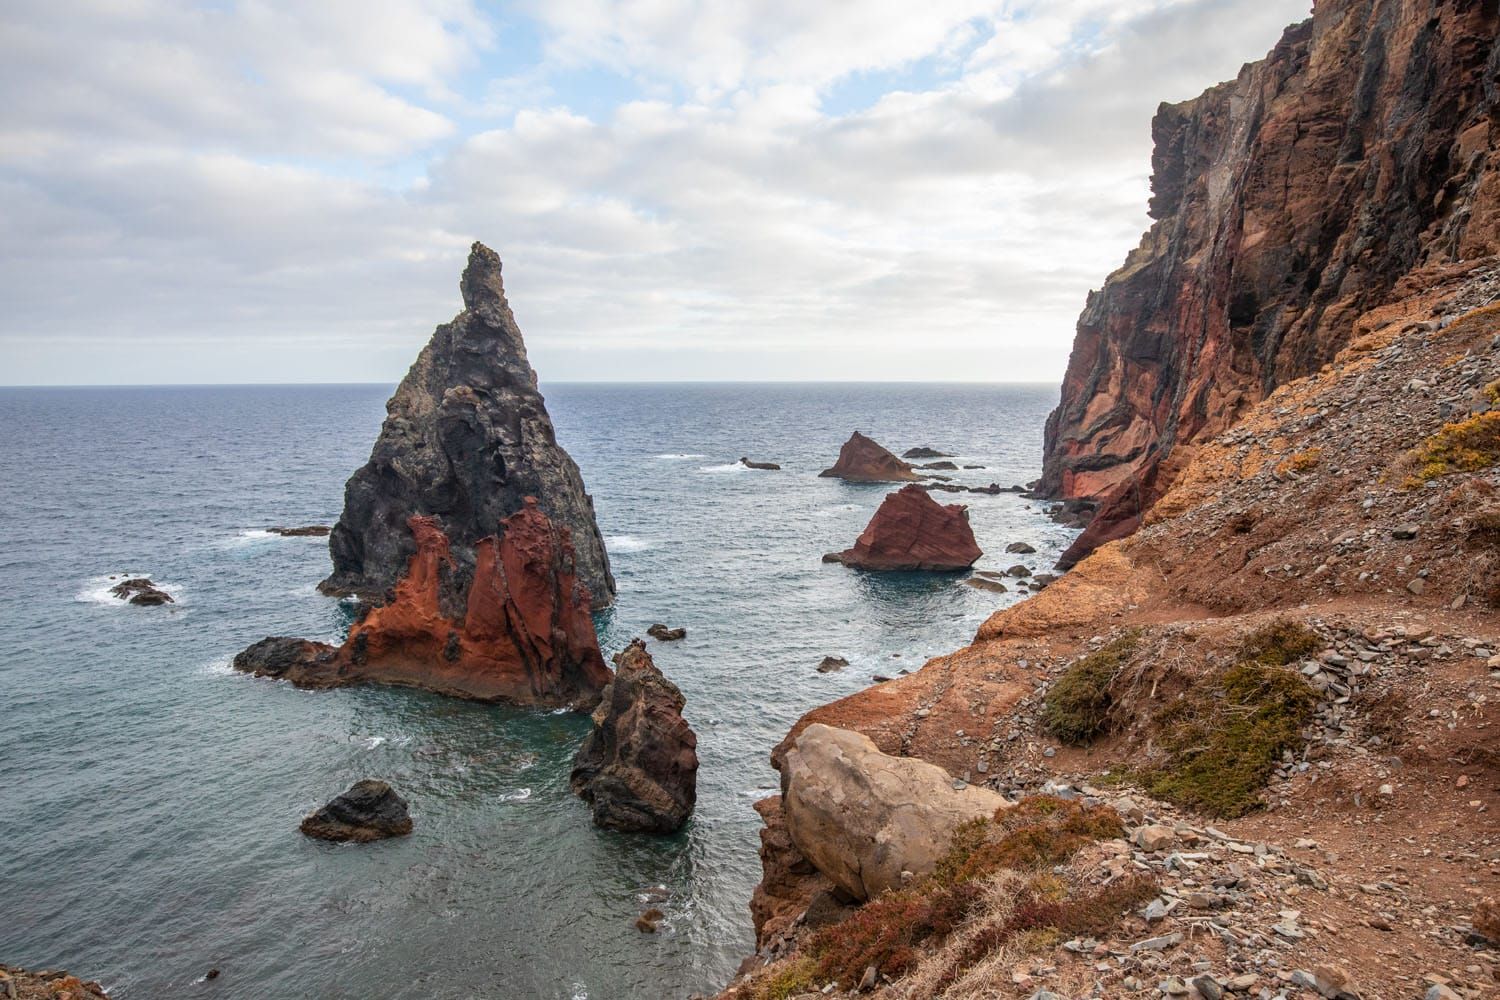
(912,531)
(519,631)
(862,460)
(1287,202)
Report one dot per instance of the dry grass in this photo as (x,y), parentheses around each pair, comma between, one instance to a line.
(1469,445)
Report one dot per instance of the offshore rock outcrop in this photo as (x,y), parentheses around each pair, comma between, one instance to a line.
(638,768)
(912,531)
(862,460)
(1286,202)
(514,628)
(466,437)
(369,810)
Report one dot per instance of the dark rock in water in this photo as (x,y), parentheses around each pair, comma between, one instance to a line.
(862,460)
(940,466)
(1018,570)
(369,810)
(766,466)
(661,633)
(879,678)
(647,922)
(638,768)
(521,634)
(924,453)
(1020,548)
(912,531)
(973,467)
(306,530)
(831,664)
(993,489)
(466,438)
(949,488)
(984,583)
(140,590)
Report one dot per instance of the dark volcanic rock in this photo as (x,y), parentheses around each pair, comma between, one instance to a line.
(861,460)
(306,530)
(765,466)
(924,453)
(369,810)
(1020,548)
(832,664)
(940,466)
(520,633)
(638,768)
(466,437)
(1287,202)
(661,633)
(140,590)
(912,531)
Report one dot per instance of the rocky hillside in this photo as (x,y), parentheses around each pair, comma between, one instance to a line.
(1287,203)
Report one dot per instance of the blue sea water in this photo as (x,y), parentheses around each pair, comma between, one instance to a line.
(149,797)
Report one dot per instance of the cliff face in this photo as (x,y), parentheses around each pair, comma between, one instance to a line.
(1286,203)
(466,438)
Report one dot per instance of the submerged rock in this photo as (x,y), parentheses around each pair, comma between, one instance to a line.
(862,460)
(661,633)
(304,531)
(766,466)
(638,768)
(466,438)
(862,817)
(140,590)
(912,531)
(369,810)
(520,634)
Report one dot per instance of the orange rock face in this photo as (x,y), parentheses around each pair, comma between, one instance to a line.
(522,633)
(1288,201)
(862,460)
(912,531)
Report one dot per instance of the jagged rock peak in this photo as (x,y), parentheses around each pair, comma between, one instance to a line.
(466,438)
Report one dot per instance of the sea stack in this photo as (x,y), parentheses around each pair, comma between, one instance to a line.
(912,531)
(466,437)
(862,460)
(369,810)
(514,628)
(638,768)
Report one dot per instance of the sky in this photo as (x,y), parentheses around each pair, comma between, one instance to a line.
(281,191)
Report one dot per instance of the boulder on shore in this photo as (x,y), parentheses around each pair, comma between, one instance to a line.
(369,810)
(862,460)
(466,439)
(638,768)
(912,531)
(766,466)
(521,633)
(140,590)
(862,817)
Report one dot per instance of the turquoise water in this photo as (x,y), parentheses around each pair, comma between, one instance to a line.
(149,797)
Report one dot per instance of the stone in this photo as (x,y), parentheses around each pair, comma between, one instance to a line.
(1020,548)
(1437,991)
(1018,571)
(862,460)
(661,633)
(648,921)
(521,634)
(1208,988)
(1257,263)
(1154,838)
(1160,943)
(142,592)
(862,818)
(924,453)
(369,810)
(465,440)
(304,531)
(830,664)
(1405,532)
(983,583)
(763,466)
(912,531)
(638,767)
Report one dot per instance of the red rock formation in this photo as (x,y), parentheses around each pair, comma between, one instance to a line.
(912,531)
(522,633)
(862,460)
(1287,202)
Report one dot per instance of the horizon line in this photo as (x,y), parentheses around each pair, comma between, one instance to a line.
(706,381)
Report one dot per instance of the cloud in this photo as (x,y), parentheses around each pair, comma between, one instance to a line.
(271,191)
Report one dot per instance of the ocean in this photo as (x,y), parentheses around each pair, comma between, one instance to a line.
(149,796)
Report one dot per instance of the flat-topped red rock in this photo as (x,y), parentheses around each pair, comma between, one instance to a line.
(912,531)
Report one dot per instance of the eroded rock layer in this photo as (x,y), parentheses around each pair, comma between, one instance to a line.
(515,628)
(1287,202)
(912,531)
(466,437)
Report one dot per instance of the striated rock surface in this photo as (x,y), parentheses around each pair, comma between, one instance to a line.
(862,460)
(912,531)
(466,437)
(638,768)
(1287,202)
(369,810)
(862,817)
(515,628)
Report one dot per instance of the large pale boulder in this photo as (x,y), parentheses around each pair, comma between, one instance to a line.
(863,818)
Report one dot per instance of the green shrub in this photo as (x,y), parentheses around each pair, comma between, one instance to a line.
(1280,643)
(1077,705)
